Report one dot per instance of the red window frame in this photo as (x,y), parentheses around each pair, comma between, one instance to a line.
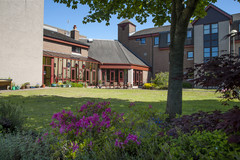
(94,80)
(87,74)
(73,69)
(112,71)
(119,73)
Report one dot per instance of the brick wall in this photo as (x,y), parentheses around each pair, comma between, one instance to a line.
(57,47)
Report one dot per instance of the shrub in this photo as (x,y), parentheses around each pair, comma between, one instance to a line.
(24,145)
(199,145)
(147,86)
(228,122)
(161,80)
(187,85)
(88,129)
(79,84)
(11,116)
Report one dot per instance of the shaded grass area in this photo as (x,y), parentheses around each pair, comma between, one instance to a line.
(40,105)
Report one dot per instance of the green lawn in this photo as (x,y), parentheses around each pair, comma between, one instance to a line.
(41,104)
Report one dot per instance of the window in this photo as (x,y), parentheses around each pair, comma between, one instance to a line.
(143,40)
(214,28)
(189,34)
(190,55)
(206,54)
(206,29)
(210,41)
(214,51)
(138,39)
(168,38)
(156,41)
(76,49)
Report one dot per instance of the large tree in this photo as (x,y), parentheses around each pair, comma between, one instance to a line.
(177,12)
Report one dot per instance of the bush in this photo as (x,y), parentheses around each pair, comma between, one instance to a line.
(24,145)
(228,122)
(11,116)
(199,145)
(187,85)
(161,80)
(79,84)
(148,86)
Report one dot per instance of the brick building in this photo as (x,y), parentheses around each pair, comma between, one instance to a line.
(204,40)
(69,56)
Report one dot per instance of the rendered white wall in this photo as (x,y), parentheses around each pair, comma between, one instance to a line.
(21,40)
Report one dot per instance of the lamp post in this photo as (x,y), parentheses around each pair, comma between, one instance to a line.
(233,34)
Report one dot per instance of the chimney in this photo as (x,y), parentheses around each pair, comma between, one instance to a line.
(125,29)
(75,33)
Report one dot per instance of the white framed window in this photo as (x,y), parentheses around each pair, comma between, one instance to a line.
(190,55)
(214,28)
(206,29)
(156,41)
(76,49)
(143,40)
(189,34)
(168,38)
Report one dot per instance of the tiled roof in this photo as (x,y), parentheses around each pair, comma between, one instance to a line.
(126,21)
(110,51)
(60,36)
(70,56)
(154,30)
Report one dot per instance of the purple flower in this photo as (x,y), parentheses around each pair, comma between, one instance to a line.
(74,146)
(132,104)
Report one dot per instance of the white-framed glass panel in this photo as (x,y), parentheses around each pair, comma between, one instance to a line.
(76,49)
(168,38)
(143,40)
(189,34)
(190,55)
(214,51)
(156,41)
(206,29)
(214,28)
(206,52)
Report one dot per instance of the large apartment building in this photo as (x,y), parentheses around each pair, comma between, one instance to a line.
(204,40)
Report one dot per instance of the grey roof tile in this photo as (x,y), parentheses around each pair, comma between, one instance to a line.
(60,36)
(154,30)
(109,51)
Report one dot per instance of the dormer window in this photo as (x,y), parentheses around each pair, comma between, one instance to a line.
(76,49)
(189,34)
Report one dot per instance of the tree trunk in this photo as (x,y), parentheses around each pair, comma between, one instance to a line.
(180,19)
(174,100)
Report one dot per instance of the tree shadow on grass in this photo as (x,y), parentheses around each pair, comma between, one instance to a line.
(39,109)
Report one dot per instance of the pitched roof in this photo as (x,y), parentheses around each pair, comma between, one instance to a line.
(110,51)
(126,21)
(60,36)
(154,30)
(222,12)
(62,55)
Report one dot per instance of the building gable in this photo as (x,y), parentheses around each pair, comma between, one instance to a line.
(214,15)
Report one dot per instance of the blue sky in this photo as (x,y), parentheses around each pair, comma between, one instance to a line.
(59,15)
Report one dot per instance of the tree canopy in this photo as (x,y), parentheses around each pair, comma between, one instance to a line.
(159,10)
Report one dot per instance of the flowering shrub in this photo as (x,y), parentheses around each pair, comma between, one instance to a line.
(92,125)
(148,86)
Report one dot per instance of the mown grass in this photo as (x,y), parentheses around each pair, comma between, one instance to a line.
(40,104)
